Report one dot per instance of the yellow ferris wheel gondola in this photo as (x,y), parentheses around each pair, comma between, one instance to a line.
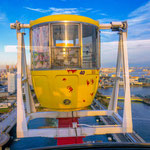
(65,58)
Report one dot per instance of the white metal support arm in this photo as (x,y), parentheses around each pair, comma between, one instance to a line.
(23,115)
(122,59)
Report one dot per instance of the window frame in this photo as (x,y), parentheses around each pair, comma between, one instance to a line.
(50,36)
(79,38)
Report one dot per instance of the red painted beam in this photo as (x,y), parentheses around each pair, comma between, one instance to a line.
(69,140)
(66,123)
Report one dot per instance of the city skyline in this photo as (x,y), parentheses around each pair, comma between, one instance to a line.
(136,13)
(61,94)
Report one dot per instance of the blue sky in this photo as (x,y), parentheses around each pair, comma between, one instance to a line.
(137,12)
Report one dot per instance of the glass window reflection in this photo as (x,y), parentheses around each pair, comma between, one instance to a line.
(40,47)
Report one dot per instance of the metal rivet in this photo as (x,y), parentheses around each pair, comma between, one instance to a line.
(67,101)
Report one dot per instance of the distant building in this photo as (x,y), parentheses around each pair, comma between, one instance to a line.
(7,68)
(135,81)
(3,75)
(12,82)
(113,75)
(3,94)
(147,80)
(142,80)
(7,104)
(4,105)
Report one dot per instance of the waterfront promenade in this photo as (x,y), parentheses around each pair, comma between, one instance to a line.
(133,98)
(116,120)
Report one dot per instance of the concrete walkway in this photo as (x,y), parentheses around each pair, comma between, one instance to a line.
(6,125)
(9,121)
(4,138)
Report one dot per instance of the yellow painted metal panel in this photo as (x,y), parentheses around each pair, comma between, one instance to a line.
(64,18)
(65,90)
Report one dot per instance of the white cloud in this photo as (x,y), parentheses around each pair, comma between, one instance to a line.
(10,48)
(77,11)
(37,9)
(139,28)
(3,18)
(107,20)
(138,52)
(64,10)
(141,10)
(103,14)
(108,32)
(54,10)
(139,22)
(13,48)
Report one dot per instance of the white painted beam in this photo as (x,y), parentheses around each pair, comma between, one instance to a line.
(127,114)
(114,97)
(70,132)
(21,117)
(112,25)
(83,113)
